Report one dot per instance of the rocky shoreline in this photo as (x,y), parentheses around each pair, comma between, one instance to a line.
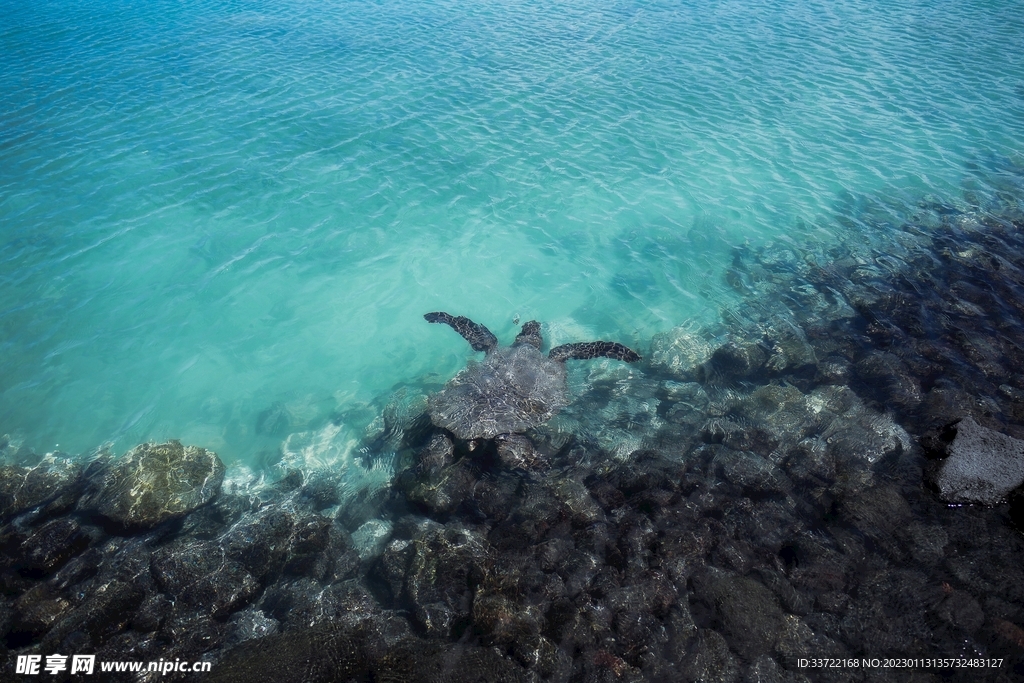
(768,491)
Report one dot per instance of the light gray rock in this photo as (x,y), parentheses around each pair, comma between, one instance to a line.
(983,465)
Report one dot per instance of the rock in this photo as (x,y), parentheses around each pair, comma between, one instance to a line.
(797,641)
(960,610)
(153,483)
(106,611)
(392,566)
(738,359)
(305,603)
(766,670)
(414,660)
(889,377)
(51,545)
(679,352)
(252,623)
(1016,499)
(310,538)
(927,542)
(260,541)
(439,482)
(445,564)
(711,662)
(37,610)
(517,451)
(790,351)
(202,576)
(152,613)
(324,653)
(782,409)
(322,488)
(890,612)
(6,619)
(748,612)
(369,538)
(437,455)
(833,370)
(880,513)
(444,491)
(983,465)
(23,488)
(753,473)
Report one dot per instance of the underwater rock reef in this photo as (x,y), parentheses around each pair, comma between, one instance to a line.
(779,488)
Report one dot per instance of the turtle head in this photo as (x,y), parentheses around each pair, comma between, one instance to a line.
(530,334)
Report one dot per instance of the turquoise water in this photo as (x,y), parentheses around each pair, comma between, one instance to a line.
(212,211)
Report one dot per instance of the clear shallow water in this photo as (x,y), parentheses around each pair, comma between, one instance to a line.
(210,209)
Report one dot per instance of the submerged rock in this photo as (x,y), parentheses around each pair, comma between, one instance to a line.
(106,611)
(680,352)
(738,359)
(711,662)
(328,652)
(52,545)
(153,483)
(202,576)
(983,465)
(749,613)
(444,565)
(23,488)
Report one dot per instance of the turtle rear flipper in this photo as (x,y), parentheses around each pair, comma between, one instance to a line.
(478,336)
(597,349)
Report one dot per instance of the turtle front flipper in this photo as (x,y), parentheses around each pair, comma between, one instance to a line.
(478,336)
(530,334)
(597,349)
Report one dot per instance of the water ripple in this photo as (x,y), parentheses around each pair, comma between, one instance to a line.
(209,208)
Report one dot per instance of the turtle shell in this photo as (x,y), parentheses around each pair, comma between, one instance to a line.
(510,391)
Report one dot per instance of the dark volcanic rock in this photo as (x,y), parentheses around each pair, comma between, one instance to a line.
(834,370)
(890,378)
(345,652)
(156,482)
(51,545)
(260,541)
(202,576)
(738,359)
(38,609)
(711,662)
(444,565)
(961,611)
(881,514)
(414,660)
(305,602)
(22,488)
(107,610)
(983,465)
(323,654)
(753,473)
(444,491)
(439,482)
(749,613)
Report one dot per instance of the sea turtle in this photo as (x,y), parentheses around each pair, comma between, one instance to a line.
(513,388)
